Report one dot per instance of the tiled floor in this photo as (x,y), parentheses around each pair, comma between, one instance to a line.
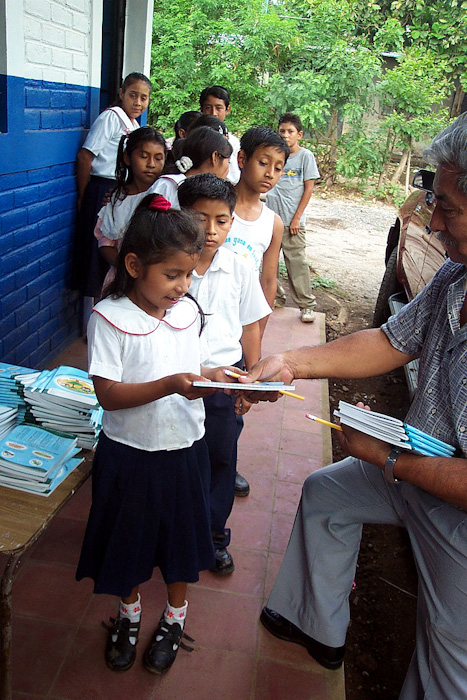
(58,640)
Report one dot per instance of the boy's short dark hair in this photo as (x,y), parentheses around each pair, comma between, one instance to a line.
(206,186)
(262,136)
(291,118)
(216,91)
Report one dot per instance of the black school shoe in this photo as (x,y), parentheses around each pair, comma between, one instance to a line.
(329,657)
(160,655)
(242,487)
(121,654)
(223,562)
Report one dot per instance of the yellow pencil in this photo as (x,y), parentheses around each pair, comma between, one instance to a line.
(324,422)
(235,375)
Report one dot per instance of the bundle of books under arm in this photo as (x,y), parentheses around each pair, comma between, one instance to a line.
(64,400)
(35,460)
(392,430)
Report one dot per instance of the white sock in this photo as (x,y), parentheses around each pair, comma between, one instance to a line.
(133,612)
(172,614)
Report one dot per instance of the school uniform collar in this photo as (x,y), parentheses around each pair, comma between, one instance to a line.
(127,317)
(222,260)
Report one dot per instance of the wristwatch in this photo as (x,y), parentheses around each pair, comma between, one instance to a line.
(389,465)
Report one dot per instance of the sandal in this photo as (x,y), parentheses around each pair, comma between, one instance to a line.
(163,648)
(120,654)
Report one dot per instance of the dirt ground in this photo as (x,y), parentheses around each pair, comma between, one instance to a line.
(346,244)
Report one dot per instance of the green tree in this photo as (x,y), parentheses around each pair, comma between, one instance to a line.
(236,44)
(408,93)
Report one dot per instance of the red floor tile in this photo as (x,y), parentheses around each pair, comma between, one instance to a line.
(78,506)
(280,532)
(61,542)
(251,530)
(39,649)
(295,468)
(248,577)
(261,496)
(84,674)
(224,621)
(253,461)
(49,591)
(288,496)
(277,680)
(208,675)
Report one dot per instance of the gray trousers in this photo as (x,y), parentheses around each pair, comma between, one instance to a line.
(313,585)
(298,270)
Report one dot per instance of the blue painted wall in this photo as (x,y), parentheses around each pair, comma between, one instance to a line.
(44,125)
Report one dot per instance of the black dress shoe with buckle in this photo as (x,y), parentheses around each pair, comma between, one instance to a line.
(163,647)
(223,562)
(242,487)
(120,653)
(329,657)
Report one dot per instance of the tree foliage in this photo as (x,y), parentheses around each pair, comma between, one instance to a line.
(325,60)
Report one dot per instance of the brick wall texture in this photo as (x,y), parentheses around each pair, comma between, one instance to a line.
(38,311)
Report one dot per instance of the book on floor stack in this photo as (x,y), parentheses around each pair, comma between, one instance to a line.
(64,400)
(35,460)
(13,381)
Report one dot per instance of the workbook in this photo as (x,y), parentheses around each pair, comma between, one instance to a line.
(32,453)
(392,430)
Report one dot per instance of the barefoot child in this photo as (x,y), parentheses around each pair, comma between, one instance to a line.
(229,291)
(151,467)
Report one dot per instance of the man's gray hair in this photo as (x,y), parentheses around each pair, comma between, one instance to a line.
(449,149)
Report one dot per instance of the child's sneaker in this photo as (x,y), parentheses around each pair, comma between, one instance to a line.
(120,653)
(307,315)
(163,648)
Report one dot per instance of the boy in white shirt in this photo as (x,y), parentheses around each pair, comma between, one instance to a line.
(230,295)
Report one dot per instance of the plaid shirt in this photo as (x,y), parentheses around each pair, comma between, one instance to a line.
(429,327)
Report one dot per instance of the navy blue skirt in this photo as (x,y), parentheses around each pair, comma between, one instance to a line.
(89,267)
(148,509)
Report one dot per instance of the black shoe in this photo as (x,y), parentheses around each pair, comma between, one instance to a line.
(223,561)
(329,657)
(121,654)
(160,654)
(242,487)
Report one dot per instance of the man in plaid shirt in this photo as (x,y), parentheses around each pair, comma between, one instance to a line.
(379,484)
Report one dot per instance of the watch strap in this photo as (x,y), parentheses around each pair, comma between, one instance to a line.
(389,465)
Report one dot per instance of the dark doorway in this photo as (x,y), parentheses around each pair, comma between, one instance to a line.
(113,32)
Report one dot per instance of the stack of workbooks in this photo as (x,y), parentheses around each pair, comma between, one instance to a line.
(64,400)
(34,460)
(392,430)
(7,419)
(13,381)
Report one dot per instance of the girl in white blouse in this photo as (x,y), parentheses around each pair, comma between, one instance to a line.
(151,468)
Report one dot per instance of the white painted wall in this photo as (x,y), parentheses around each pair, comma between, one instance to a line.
(55,40)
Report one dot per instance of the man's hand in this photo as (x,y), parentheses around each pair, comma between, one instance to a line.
(363,446)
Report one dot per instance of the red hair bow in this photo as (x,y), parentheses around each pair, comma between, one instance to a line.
(159,203)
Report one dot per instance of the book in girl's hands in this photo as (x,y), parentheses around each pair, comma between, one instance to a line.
(392,430)
(257,386)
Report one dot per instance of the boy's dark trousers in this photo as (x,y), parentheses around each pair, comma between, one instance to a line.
(221,437)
